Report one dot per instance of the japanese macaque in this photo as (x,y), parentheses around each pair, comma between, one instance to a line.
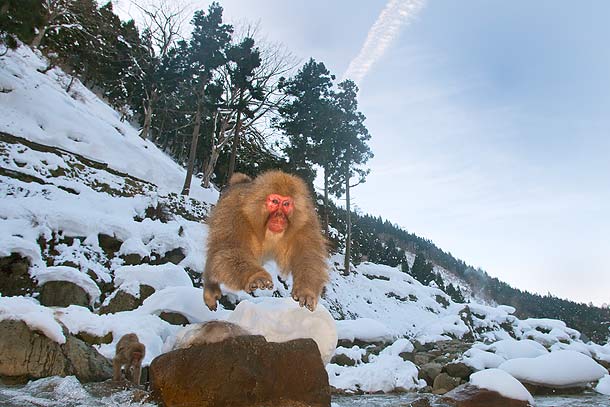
(129,354)
(209,332)
(270,217)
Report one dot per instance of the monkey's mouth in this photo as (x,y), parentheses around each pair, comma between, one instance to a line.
(277,222)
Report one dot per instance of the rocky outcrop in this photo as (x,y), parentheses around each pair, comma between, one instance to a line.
(471,396)
(28,354)
(242,371)
(63,294)
(14,276)
(124,301)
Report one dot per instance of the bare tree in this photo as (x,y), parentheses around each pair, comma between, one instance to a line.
(162,23)
(244,113)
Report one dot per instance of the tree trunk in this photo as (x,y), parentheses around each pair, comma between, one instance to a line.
(186,189)
(38,38)
(348,221)
(235,145)
(326,203)
(214,153)
(148,111)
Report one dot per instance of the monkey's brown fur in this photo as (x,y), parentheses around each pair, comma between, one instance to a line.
(129,354)
(239,241)
(210,332)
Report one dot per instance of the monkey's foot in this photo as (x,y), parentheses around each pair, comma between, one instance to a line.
(211,295)
(260,279)
(305,298)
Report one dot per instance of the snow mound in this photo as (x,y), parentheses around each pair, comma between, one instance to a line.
(385,372)
(499,381)
(158,277)
(65,273)
(282,320)
(603,386)
(364,329)
(33,314)
(559,369)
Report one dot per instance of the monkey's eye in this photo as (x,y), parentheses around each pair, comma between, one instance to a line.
(276,201)
(286,204)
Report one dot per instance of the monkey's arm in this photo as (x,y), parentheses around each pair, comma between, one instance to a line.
(307,261)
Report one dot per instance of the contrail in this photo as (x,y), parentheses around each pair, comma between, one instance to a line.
(386,28)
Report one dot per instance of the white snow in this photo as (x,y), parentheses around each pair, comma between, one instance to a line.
(603,386)
(386,372)
(563,368)
(65,273)
(158,277)
(282,319)
(35,316)
(363,329)
(499,381)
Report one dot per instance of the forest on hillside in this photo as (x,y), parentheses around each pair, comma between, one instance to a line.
(222,100)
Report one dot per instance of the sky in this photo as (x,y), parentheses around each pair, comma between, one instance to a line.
(489,124)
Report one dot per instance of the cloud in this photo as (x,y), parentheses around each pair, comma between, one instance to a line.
(395,15)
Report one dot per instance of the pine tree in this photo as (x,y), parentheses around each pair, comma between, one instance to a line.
(206,51)
(351,153)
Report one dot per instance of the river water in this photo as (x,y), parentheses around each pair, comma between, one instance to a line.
(68,392)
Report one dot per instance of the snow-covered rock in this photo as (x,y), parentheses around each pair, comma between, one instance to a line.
(363,329)
(556,369)
(501,382)
(603,386)
(282,319)
(385,372)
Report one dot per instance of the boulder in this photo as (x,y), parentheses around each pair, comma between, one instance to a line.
(124,301)
(14,276)
(63,294)
(282,319)
(28,354)
(444,383)
(429,371)
(174,318)
(458,369)
(242,371)
(470,396)
(109,244)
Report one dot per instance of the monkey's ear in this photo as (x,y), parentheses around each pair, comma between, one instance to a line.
(239,178)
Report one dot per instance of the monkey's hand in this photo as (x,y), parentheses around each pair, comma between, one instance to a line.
(260,279)
(305,297)
(211,294)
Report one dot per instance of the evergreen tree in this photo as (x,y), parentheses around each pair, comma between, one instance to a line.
(351,153)
(206,51)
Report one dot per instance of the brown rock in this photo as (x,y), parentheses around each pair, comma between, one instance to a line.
(14,276)
(28,354)
(444,383)
(123,301)
(174,318)
(471,396)
(343,360)
(242,371)
(109,244)
(429,371)
(458,369)
(63,294)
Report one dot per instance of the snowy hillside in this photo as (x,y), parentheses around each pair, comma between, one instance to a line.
(84,200)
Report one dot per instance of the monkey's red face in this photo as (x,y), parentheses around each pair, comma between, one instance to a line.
(279,208)
(136,357)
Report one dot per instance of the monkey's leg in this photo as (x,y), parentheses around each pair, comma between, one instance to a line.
(211,294)
(135,374)
(116,370)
